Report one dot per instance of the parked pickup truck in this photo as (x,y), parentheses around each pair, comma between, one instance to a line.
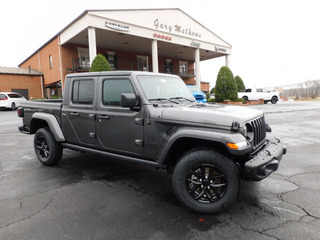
(153,119)
(259,93)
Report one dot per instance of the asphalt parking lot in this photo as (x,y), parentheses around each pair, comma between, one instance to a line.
(89,197)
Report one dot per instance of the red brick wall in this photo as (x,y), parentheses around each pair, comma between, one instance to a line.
(50,74)
(205,87)
(32,83)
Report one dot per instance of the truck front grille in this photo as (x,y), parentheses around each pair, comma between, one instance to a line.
(199,97)
(259,132)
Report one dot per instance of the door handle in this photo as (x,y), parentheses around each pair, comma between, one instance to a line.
(103,117)
(92,116)
(75,114)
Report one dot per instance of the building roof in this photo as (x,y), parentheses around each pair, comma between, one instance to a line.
(133,11)
(19,71)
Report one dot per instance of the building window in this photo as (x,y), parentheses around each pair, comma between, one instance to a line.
(169,66)
(143,63)
(113,60)
(84,60)
(183,68)
(83,92)
(50,62)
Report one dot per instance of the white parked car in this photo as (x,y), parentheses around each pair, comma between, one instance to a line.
(11,100)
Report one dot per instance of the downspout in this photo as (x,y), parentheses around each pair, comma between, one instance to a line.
(41,81)
(61,75)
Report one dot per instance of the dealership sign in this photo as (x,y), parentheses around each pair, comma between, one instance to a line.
(117,26)
(195,44)
(220,49)
(161,36)
(175,28)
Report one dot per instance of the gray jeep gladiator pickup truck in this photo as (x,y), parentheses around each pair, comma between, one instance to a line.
(153,119)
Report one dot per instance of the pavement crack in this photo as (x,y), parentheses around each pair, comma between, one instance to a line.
(28,217)
(262,232)
(280,196)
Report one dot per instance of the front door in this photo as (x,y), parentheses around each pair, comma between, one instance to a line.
(78,121)
(118,129)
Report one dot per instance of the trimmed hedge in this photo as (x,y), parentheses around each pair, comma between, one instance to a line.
(226,87)
(240,84)
(99,64)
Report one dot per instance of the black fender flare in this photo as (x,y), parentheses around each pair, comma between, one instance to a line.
(52,123)
(218,136)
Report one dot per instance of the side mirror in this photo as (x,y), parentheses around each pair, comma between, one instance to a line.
(129,100)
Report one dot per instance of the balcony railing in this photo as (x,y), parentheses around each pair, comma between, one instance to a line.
(83,66)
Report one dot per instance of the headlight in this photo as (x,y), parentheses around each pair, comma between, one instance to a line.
(244,131)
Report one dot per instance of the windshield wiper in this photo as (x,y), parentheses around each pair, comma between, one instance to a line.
(183,98)
(163,99)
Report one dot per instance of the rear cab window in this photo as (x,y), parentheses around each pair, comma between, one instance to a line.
(83,91)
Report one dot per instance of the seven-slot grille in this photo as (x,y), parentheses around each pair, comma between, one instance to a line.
(259,131)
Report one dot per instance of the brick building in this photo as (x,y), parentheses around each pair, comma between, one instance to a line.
(26,81)
(157,40)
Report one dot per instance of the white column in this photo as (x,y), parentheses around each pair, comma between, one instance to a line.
(228,61)
(197,63)
(92,43)
(155,65)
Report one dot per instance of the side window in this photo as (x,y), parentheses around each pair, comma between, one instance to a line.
(259,90)
(248,90)
(83,91)
(112,90)
(13,95)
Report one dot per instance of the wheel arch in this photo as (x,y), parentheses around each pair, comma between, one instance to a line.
(184,145)
(42,120)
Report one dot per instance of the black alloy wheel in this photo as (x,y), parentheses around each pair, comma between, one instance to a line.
(48,151)
(206,181)
(43,149)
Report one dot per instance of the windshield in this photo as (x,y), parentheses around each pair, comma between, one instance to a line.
(164,88)
(193,88)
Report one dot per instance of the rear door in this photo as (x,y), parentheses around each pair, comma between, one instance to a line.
(78,121)
(118,129)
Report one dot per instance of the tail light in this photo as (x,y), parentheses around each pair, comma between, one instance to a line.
(20,112)
(4,98)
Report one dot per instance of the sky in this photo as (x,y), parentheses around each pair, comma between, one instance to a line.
(274,42)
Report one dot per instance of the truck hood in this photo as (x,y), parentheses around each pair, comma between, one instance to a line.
(211,114)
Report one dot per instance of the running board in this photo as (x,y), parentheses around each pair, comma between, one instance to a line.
(113,155)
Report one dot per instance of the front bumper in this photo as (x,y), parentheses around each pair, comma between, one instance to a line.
(265,161)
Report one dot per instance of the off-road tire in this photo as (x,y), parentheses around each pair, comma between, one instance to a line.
(206,181)
(47,149)
(274,100)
